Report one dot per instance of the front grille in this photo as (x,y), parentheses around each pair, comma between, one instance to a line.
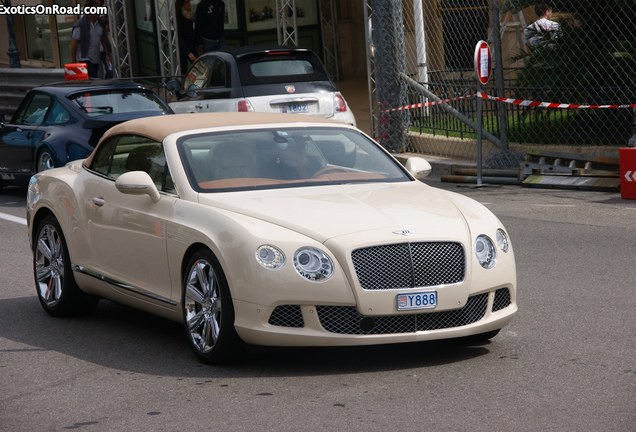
(287,316)
(409,265)
(502,299)
(347,320)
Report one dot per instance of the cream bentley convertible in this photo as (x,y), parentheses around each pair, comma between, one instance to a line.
(267,229)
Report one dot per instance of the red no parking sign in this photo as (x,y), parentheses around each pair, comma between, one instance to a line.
(483,62)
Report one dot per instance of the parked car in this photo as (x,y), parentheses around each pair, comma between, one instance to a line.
(277,79)
(61,122)
(264,229)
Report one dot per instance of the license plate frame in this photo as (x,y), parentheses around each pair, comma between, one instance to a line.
(416,301)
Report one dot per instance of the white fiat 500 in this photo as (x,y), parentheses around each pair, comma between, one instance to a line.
(253,78)
(268,229)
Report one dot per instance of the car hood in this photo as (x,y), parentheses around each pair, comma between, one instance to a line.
(410,209)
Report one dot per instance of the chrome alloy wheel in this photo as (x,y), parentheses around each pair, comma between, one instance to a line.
(45,161)
(49,265)
(202,306)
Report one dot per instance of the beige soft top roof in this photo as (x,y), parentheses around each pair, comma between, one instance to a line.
(159,127)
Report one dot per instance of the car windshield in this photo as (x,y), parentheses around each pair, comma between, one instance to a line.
(284,157)
(97,104)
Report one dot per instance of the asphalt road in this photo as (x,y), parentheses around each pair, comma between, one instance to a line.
(566,363)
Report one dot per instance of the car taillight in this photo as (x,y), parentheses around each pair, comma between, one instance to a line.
(339,103)
(244,105)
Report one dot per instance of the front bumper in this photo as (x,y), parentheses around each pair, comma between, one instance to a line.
(315,325)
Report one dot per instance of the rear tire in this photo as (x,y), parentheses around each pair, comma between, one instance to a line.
(208,312)
(55,285)
(45,161)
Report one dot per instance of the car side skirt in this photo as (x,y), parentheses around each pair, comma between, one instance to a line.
(124,286)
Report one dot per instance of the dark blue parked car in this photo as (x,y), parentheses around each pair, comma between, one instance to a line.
(61,122)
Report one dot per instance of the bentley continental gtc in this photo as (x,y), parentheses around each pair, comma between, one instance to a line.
(268,229)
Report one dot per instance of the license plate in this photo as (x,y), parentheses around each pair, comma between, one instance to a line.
(295,108)
(421,300)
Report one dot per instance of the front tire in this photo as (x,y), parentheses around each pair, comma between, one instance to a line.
(208,312)
(57,291)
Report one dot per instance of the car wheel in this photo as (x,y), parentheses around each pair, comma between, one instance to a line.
(54,282)
(208,312)
(45,161)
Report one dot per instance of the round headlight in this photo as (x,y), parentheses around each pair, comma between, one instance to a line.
(270,257)
(313,264)
(502,240)
(485,251)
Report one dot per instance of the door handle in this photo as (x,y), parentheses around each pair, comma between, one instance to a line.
(99,201)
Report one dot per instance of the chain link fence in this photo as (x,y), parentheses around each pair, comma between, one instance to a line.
(589,60)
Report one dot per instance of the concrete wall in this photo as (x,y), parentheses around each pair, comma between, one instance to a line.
(15,83)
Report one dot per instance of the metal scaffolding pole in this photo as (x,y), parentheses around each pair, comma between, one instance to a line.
(167,38)
(119,40)
(368,30)
(286,22)
(328,21)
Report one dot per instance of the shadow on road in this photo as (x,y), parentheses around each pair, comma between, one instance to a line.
(132,341)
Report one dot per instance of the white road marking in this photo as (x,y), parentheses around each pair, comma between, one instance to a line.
(11,218)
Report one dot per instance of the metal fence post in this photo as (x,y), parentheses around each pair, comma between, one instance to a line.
(499,75)
(632,140)
(388,42)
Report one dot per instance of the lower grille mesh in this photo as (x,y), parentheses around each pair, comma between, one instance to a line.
(502,299)
(347,320)
(287,316)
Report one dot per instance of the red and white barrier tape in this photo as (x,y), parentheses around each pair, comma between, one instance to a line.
(428,104)
(530,103)
(522,102)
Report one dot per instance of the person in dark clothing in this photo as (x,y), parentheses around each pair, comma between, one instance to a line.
(209,25)
(90,37)
(185,32)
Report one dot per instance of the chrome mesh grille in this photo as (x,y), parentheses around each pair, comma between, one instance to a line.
(502,299)
(347,320)
(409,265)
(287,316)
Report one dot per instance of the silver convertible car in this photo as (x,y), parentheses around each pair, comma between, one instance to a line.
(268,229)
